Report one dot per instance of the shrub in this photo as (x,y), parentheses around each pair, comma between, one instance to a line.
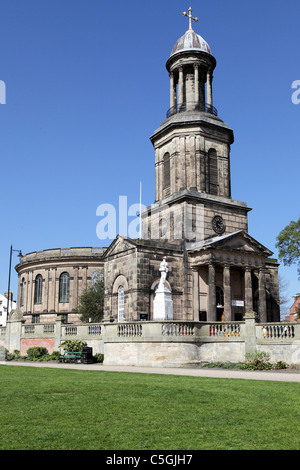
(54,356)
(257,361)
(280,365)
(36,353)
(98,357)
(73,345)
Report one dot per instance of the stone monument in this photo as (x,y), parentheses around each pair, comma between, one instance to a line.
(163,304)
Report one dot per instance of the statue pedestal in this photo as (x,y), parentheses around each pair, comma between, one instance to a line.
(163,304)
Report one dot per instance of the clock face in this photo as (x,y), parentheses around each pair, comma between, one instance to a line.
(218,224)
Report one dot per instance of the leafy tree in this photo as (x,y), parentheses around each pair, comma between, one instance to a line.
(288,243)
(91,302)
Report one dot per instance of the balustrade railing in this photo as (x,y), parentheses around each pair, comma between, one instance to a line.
(94,330)
(177,329)
(70,330)
(278,331)
(29,329)
(130,329)
(225,330)
(207,108)
(48,329)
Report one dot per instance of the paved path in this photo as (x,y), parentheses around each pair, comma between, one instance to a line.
(281,376)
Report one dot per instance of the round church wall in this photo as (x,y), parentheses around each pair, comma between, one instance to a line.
(50,282)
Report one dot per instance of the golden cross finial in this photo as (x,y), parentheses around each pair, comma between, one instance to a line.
(190,17)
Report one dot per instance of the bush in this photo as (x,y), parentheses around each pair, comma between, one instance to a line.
(74,345)
(54,356)
(98,357)
(280,365)
(36,353)
(257,361)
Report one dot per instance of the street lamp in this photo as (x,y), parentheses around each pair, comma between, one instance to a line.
(9,272)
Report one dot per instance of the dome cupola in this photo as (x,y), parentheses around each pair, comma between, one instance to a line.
(190,67)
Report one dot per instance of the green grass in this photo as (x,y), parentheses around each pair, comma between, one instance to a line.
(67,409)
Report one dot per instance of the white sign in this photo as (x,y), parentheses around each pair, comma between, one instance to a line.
(237,303)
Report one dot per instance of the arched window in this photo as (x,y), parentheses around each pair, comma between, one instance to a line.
(213,171)
(22,292)
(38,287)
(166,170)
(220,296)
(121,304)
(97,276)
(64,288)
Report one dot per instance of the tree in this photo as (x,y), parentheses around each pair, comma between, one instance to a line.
(288,243)
(91,302)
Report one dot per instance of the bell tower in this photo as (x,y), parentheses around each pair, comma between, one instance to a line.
(192,153)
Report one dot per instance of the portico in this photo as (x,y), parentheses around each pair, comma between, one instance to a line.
(229,278)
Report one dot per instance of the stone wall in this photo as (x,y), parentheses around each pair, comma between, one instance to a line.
(79,263)
(161,344)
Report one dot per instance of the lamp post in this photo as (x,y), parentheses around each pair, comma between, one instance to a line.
(9,273)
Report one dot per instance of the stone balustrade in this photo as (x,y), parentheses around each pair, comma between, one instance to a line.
(163,343)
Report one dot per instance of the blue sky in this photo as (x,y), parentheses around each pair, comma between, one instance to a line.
(86,85)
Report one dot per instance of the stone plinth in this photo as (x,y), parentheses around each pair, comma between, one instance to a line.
(163,304)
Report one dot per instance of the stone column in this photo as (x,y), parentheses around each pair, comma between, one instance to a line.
(248,291)
(30,292)
(196,84)
(211,303)
(172,91)
(196,295)
(262,296)
(209,98)
(227,293)
(180,87)
(74,297)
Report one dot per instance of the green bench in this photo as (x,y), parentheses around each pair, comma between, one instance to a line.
(69,356)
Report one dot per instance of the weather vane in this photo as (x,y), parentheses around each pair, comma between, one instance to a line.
(190,17)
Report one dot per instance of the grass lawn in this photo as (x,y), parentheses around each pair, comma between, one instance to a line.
(67,409)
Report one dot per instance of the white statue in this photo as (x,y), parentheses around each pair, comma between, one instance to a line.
(163,268)
(163,304)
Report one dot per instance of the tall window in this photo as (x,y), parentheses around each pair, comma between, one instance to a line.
(64,288)
(22,293)
(38,287)
(97,276)
(121,304)
(166,170)
(213,171)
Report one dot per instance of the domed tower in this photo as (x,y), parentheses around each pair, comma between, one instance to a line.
(190,66)
(192,153)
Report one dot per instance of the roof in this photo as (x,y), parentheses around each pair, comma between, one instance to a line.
(240,241)
(190,41)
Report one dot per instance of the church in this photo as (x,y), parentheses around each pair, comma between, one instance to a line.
(216,270)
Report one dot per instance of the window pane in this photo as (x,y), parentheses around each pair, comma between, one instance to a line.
(121,304)
(38,289)
(64,287)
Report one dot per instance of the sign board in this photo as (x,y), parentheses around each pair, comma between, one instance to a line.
(237,303)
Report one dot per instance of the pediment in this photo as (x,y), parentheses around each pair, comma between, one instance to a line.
(238,241)
(119,245)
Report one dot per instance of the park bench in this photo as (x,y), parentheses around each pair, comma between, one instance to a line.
(69,356)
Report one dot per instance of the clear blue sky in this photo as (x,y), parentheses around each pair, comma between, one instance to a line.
(86,86)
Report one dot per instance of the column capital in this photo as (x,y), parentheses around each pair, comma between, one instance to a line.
(227,265)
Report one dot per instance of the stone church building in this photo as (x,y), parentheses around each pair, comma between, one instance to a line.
(217,271)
